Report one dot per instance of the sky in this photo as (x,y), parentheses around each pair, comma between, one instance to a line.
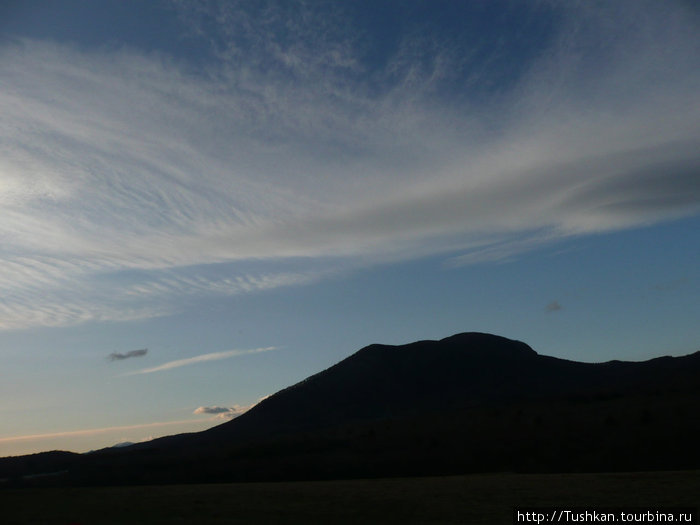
(204,202)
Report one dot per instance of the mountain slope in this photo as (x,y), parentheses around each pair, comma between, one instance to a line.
(382,381)
(470,402)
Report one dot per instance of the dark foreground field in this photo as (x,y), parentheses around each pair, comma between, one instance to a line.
(473,499)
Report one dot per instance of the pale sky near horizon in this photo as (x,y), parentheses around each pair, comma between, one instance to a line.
(203,202)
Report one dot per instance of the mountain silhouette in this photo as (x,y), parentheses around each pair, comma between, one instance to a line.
(471,402)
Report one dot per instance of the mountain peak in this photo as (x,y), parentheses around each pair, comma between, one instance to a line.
(488,343)
(381,381)
(465,344)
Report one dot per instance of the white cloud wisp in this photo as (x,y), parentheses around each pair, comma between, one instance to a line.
(127,180)
(214,356)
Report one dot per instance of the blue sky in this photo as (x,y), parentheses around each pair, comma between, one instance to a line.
(251,191)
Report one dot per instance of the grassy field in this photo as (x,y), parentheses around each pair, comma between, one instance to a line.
(473,499)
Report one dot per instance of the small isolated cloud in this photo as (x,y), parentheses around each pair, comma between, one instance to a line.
(669,286)
(228,412)
(212,410)
(214,356)
(554,306)
(116,356)
(222,412)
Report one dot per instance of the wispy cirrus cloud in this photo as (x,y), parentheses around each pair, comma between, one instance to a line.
(130,179)
(169,283)
(214,356)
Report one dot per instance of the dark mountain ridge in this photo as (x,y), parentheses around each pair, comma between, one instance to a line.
(464,370)
(382,381)
(470,402)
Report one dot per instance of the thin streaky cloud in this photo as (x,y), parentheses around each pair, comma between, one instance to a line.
(214,356)
(94,431)
(173,284)
(92,299)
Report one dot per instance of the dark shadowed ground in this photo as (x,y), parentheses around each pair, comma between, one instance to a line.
(473,499)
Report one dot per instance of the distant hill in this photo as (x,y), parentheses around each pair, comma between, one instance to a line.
(471,402)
